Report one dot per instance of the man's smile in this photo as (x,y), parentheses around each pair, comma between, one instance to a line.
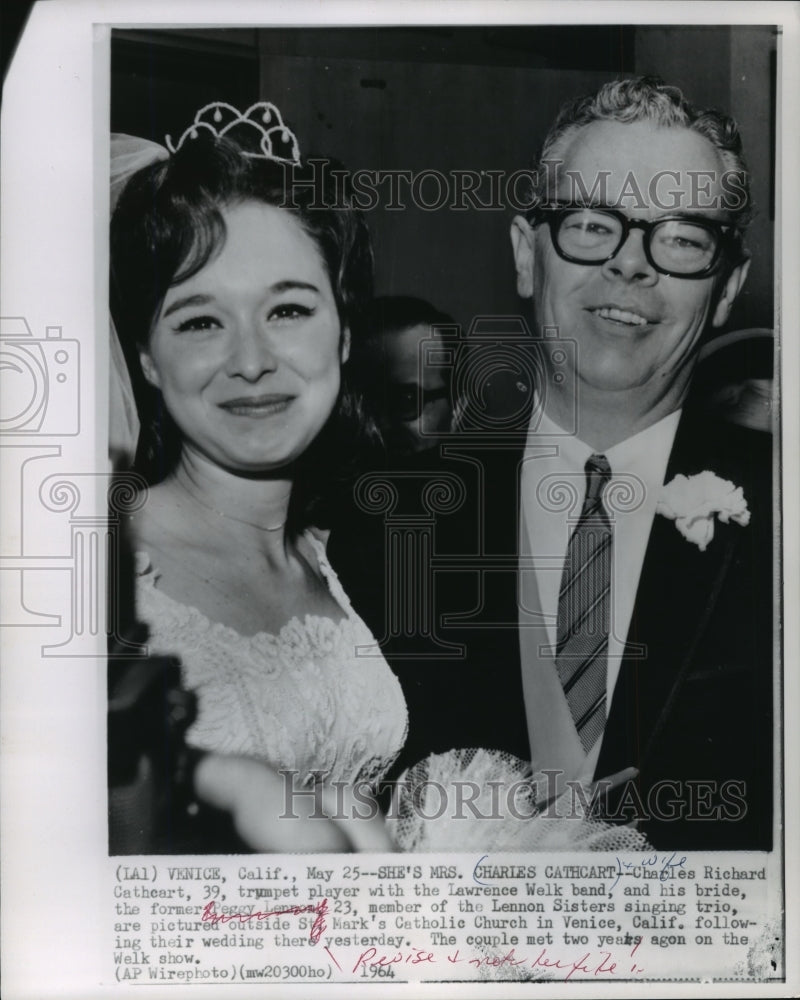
(624,317)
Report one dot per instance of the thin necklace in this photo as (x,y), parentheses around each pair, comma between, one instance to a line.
(230,517)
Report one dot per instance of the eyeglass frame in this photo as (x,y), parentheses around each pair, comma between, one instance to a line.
(727,235)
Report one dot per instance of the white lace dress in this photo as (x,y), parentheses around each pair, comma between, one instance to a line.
(303,699)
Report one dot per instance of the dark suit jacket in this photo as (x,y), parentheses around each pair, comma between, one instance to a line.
(409,570)
(694,715)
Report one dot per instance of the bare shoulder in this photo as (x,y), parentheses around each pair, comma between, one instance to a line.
(163,526)
(184,553)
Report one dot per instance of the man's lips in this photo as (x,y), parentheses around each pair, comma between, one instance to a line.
(624,317)
(256,406)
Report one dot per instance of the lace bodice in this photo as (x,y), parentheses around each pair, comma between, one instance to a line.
(302,699)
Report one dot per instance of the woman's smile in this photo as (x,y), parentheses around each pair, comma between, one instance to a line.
(267,405)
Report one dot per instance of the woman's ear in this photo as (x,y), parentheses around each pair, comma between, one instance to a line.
(522,241)
(149,369)
(344,350)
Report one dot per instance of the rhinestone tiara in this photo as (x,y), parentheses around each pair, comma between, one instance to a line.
(262,120)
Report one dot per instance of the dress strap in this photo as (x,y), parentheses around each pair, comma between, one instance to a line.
(335,588)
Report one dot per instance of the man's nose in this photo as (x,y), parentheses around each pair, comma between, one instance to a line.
(252,353)
(630,262)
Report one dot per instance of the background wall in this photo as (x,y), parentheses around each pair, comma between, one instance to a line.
(450,99)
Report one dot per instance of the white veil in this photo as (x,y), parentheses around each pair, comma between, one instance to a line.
(128,154)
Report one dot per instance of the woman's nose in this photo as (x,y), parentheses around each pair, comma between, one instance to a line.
(630,262)
(252,353)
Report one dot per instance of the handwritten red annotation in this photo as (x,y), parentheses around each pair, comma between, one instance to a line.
(318,927)
(591,964)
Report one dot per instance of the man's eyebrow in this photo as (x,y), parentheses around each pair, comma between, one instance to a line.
(673,213)
(203,300)
(690,216)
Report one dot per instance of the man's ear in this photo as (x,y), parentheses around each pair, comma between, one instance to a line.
(729,291)
(149,369)
(522,240)
(344,350)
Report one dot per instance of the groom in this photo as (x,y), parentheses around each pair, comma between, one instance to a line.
(661,639)
(636,644)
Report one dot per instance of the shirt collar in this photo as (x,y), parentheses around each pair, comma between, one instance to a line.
(645,454)
(572,452)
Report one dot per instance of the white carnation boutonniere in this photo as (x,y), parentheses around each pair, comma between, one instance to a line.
(693,501)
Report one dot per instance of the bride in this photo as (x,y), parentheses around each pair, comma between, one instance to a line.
(235,293)
(238,307)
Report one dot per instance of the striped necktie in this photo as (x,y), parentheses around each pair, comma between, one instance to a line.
(584,609)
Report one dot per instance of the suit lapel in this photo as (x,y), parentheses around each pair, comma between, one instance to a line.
(677,592)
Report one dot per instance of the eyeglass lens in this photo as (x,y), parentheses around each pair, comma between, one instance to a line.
(676,245)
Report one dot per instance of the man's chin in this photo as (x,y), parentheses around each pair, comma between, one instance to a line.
(612,379)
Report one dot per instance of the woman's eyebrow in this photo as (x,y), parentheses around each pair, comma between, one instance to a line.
(203,300)
(189,300)
(290,285)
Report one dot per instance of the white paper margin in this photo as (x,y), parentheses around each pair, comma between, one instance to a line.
(54,881)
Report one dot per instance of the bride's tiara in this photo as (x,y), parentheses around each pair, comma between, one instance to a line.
(263,122)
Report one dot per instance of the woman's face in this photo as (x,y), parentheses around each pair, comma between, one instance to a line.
(247,353)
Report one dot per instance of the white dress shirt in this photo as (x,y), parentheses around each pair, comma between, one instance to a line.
(638,466)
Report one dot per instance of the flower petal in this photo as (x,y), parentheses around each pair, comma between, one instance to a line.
(693,501)
(699,530)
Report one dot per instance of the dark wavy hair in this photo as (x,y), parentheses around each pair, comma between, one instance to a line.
(168,224)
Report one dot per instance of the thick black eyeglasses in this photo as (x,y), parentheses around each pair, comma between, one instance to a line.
(678,245)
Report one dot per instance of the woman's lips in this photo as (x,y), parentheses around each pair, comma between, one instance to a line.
(256,406)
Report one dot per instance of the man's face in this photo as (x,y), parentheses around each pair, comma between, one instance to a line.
(417,410)
(636,329)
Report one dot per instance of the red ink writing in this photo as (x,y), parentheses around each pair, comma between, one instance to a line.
(333,957)
(210,916)
(635,967)
(594,964)
(415,957)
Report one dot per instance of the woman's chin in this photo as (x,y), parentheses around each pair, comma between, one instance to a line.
(261,468)
(247,463)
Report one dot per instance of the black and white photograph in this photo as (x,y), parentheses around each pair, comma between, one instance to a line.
(399,456)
